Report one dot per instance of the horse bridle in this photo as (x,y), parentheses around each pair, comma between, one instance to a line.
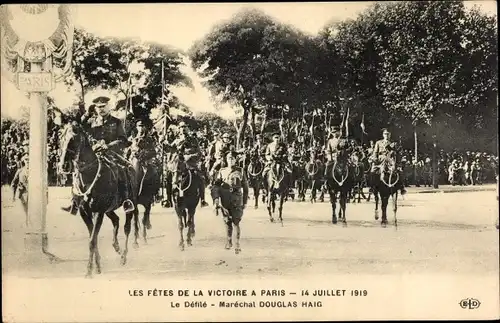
(257,173)
(391,172)
(273,176)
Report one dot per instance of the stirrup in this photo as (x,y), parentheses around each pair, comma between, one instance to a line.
(128,206)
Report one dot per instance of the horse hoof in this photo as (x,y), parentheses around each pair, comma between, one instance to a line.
(271,219)
(181,247)
(237,250)
(256,207)
(228,246)
(117,248)
(189,243)
(98,270)
(344,224)
(334,220)
(88,276)
(149,226)
(123,261)
(135,245)
(145,241)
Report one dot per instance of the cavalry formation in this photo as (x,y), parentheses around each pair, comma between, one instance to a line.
(111,171)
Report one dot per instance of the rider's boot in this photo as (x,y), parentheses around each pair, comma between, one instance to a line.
(73,208)
(128,205)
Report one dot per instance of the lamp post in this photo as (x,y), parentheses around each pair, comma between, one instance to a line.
(34,36)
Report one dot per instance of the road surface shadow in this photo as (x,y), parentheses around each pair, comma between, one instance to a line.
(401,223)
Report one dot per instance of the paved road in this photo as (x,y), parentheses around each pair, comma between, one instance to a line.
(437,233)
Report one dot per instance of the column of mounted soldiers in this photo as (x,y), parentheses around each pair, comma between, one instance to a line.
(215,162)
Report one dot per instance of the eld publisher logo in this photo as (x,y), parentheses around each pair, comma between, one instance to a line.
(470,304)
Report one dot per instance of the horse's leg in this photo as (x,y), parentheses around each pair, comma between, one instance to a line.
(269,205)
(169,189)
(116,226)
(322,191)
(97,228)
(343,206)
(229,231)
(313,191)
(190,225)
(280,208)
(146,223)
(136,227)
(127,228)
(376,196)
(256,190)
(181,214)
(395,207)
(92,240)
(385,201)
(333,201)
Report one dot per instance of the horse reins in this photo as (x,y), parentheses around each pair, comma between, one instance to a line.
(181,190)
(274,177)
(250,168)
(343,179)
(312,173)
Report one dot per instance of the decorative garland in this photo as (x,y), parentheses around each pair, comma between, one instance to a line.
(58,46)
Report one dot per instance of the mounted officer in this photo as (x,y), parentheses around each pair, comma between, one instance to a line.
(142,151)
(380,151)
(108,139)
(331,150)
(221,148)
(276,152)
(258,145)
(188,148)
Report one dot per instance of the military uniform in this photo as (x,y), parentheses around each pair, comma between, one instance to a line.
(230,190)
(331,151)
(109,131)
(220,151)
(143,153)
(382,149)
(188,149)
(380,152)
(277,152)
(20,181)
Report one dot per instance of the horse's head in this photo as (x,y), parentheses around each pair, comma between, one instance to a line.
(72,141)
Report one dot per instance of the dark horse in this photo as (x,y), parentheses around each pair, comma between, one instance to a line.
(277,182)
(148,186)
(340,179)
(254,173)
(95,185)
(360,167)
(385,182)
(315,176)
(186,196)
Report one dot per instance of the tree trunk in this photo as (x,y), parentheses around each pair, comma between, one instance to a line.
(416,154)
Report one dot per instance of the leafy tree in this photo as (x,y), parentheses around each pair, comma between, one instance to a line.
(232,59)
(95,62)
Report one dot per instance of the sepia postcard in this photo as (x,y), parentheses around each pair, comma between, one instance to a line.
(233,162)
